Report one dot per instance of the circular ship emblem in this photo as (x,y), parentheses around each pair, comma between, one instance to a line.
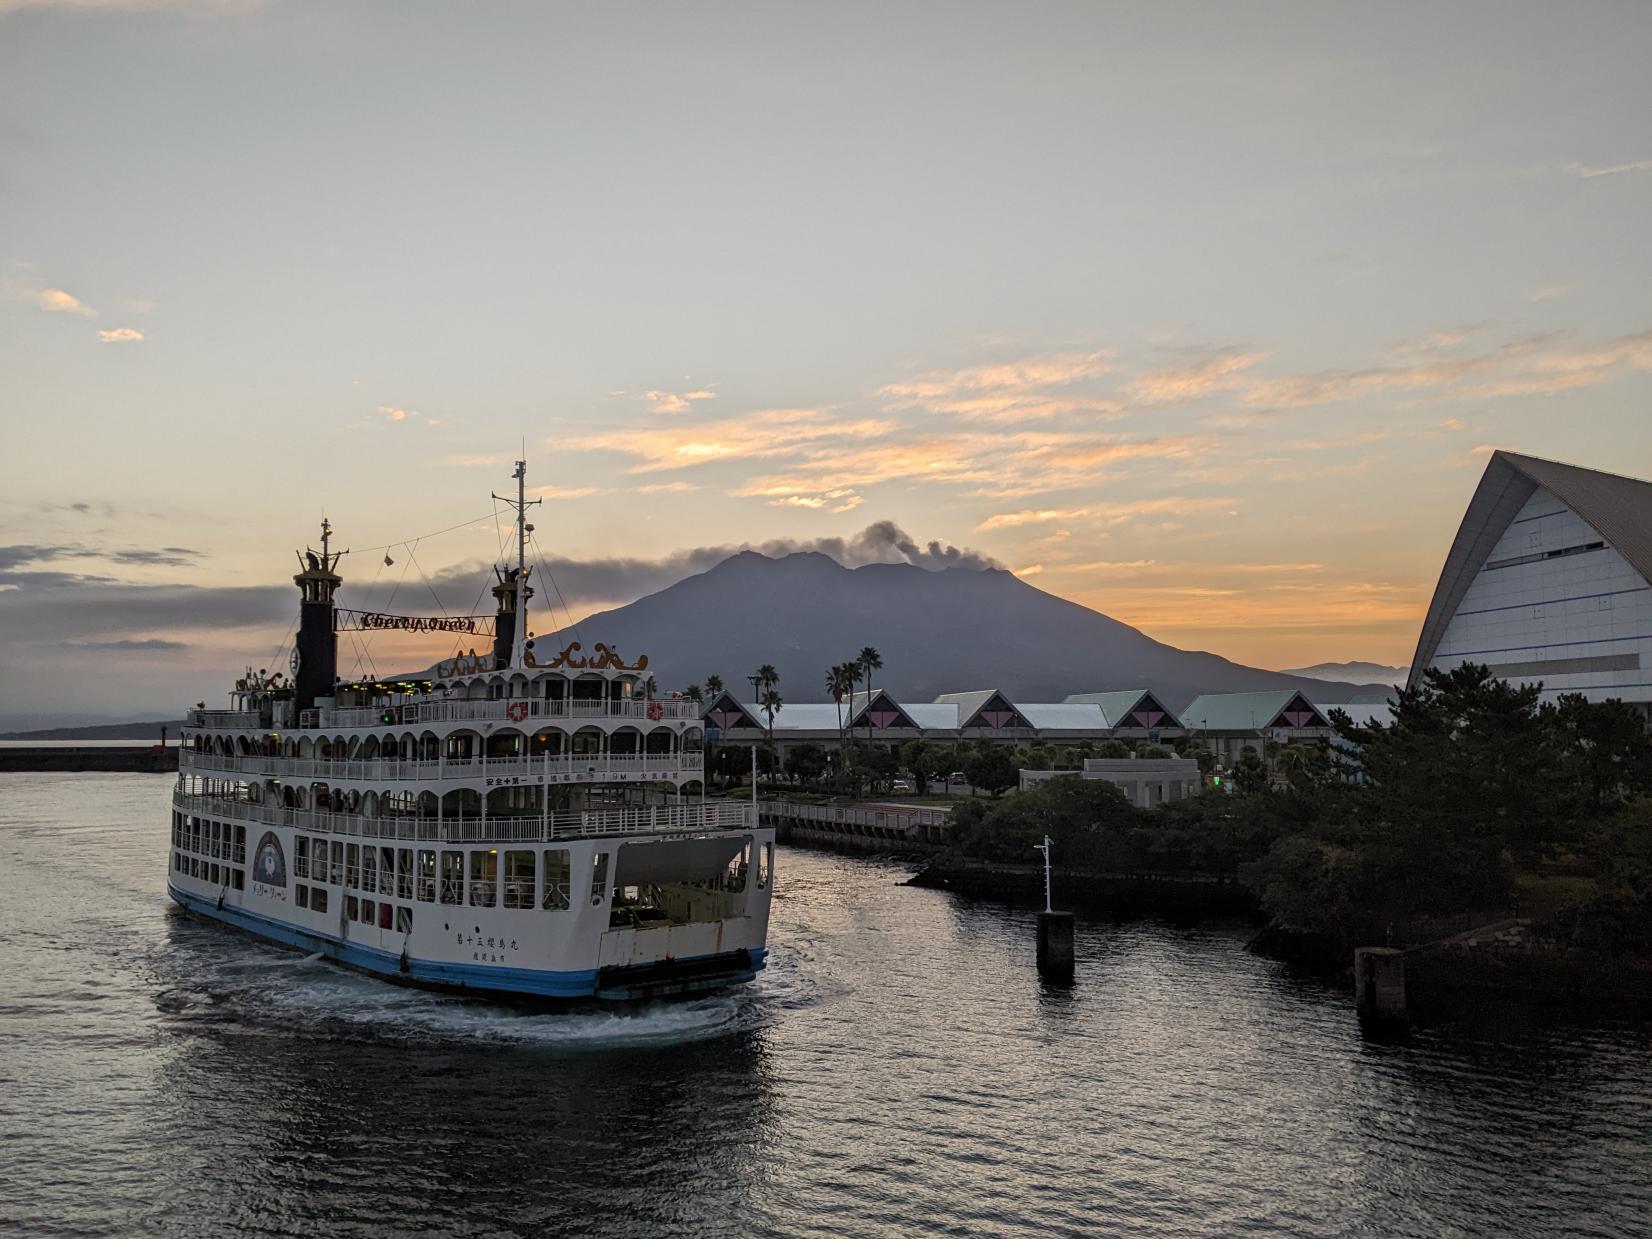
(269,864)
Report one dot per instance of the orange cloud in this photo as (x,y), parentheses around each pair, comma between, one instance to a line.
(56,301)
(121,335)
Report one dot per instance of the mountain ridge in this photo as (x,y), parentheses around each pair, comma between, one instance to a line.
(938,630)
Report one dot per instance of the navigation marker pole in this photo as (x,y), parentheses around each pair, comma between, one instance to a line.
(1055,930)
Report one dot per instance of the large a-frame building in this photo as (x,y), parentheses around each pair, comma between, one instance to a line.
(1550,579)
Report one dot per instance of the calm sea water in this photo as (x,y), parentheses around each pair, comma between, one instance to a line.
(898,1070)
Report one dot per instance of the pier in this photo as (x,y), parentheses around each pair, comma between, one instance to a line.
(75,758)
(869,826)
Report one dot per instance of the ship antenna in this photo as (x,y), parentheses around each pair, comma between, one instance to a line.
(520,574)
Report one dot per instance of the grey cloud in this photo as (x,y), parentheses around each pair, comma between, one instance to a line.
(64,607)
(26,553)
(153,644)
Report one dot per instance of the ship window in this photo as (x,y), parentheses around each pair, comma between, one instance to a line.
(337,878)
(194,867)
(599,878)
(453,877)
(404,920)
(214,878)
(301,858)
(404,873)
(556,879)
(240,856)
(385,914)
(352,865)
(318,900)
(765,865)
(519,879)
(301,895)
(427,877)
(387,871)
(352,907)
(369,868)
(240,876)
(368,911)
(484,878)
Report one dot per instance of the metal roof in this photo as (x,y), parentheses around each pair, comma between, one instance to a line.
(1118,706)
(1619,509)
(1239,711)
(1065,716)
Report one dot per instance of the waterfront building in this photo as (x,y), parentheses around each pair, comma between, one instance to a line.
(1229,723)
(1548,580)
(1145,781)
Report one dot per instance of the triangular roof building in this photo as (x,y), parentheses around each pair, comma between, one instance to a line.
(1549,579)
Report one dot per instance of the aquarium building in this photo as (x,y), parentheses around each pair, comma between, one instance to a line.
(1548,581)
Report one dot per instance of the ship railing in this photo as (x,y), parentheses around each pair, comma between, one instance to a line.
(507,709)
(690,817)
(221,718)
(592,768)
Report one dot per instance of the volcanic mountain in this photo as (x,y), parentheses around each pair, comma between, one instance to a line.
(940,631)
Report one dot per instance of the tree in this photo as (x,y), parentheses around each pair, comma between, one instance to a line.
(992,768)
(869,661)
(924,760)
(714,684)
(1250,775)
(770,702)
(840,683)
(1113,748)
(806,763)
(694,693)
(877,764)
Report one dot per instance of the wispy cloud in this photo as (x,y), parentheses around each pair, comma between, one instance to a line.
(121,335)
(1193,381)
(1036,387)
(1589,172)
(57,301)
(769,432)
(1108,513)
(395,413)
(674,402)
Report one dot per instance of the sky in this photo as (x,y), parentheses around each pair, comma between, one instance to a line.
(1202,315)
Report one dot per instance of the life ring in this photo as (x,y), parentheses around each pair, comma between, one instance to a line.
(656,711)
(516,711)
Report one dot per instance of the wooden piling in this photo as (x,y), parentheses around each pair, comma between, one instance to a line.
(1379,985)
(1055,945)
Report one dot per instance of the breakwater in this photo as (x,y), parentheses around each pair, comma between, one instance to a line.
(1096,891)
(74,758)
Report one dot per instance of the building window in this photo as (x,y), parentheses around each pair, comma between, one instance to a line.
(519,879)
(484,878)
(427,877)
(556,879)
(599,878)
(453,877)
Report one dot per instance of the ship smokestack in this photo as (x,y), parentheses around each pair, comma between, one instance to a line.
(504,620)
(315,654)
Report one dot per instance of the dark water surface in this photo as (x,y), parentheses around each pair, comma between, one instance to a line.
(898,1070)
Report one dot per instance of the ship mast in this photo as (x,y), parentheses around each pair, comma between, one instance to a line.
(519,575)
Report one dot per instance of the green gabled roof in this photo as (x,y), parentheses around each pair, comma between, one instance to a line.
(1246,711)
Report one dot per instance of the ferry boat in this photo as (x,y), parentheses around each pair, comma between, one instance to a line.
(518,824)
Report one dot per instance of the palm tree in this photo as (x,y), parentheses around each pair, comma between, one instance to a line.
(869,661)
(767,676)
(694,693)
(770,701)
(714,684)
(840,682)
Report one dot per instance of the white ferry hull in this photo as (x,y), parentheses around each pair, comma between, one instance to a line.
(568,954)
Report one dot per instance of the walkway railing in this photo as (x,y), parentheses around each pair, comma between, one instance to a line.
(503,709)
(690,817)
(490,771)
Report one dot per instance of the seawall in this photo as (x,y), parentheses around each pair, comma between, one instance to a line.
(62,758)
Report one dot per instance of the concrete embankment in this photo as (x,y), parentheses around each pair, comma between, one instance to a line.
(63,758)
(1129,893)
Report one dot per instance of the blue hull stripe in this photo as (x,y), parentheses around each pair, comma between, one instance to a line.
(530,982)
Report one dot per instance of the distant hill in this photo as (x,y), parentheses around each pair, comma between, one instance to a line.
(105,731)
(946,631)
(1365,672)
